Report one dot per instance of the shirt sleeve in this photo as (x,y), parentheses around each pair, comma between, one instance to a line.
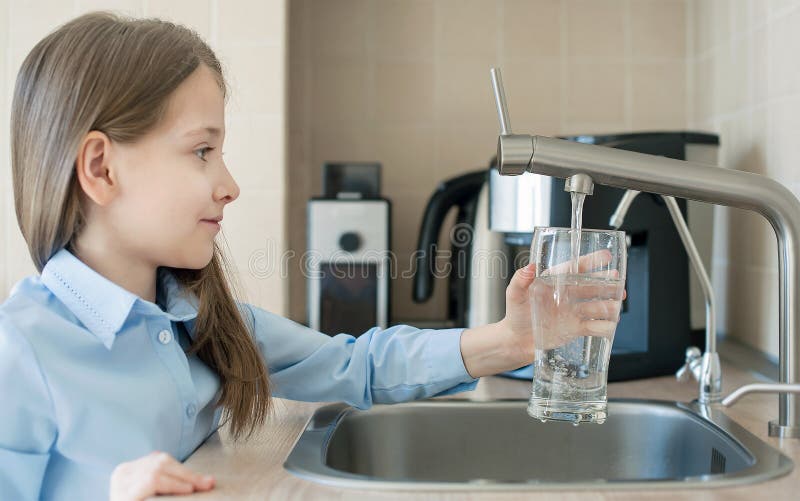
(27,424)
(391,365)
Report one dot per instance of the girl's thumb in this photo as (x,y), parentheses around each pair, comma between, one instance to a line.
(517,290)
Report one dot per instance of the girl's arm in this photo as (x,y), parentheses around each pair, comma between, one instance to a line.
(400,363)
(397,364)
(27,424)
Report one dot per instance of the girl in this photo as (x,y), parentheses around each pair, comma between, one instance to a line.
(118,359)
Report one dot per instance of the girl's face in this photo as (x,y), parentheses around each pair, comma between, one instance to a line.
(174,178)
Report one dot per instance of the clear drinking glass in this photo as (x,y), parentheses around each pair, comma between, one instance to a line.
(575,305)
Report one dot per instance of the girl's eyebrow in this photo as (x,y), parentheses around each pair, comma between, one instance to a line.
(214,131)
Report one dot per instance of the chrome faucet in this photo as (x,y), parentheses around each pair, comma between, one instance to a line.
(519,153)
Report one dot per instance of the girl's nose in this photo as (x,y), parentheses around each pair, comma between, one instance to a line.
(227,190)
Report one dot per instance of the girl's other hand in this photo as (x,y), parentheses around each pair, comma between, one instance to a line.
(156,473)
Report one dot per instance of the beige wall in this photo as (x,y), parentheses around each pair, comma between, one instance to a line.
(747,88)
(406,83)
(249,38)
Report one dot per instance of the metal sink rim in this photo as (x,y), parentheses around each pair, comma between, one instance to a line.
(307,457)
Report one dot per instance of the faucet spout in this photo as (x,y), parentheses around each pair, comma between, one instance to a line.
(579,183)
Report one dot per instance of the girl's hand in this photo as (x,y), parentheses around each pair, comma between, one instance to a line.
(156,473)
(508,344)
(517,322)
(600,316)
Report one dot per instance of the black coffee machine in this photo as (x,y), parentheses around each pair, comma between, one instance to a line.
(655,326)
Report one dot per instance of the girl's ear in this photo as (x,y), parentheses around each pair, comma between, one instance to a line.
(95,175)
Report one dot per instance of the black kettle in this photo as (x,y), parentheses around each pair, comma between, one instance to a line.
(462,192)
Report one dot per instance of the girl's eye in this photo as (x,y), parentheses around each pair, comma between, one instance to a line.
(204,149)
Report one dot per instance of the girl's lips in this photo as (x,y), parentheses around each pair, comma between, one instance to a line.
(210,223)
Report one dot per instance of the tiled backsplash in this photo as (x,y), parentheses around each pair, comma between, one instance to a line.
(406,83)
(746,87)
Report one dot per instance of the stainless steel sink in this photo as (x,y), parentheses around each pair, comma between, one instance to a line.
(495,445)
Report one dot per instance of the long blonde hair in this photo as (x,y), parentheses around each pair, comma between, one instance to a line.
(114,74)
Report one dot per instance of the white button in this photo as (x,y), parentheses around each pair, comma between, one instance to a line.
(165,336)
(191,409)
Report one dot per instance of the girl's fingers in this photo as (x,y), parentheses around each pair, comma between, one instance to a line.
(594,260)
(156,473)
(517,290)
(600,310)
(603,328)
(172,467)
(587,262)
(583,291)
(167,484)
(609,274)
(200,482)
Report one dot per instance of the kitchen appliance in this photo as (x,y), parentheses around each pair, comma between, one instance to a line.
(658,320)
(348,260)
(466,194)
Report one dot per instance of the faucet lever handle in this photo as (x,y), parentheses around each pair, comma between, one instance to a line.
(514,151)
(500,101)
(691,368)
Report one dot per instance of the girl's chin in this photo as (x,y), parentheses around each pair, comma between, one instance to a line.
(198,261)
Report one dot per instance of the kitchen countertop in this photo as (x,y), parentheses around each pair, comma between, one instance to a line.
(254,469)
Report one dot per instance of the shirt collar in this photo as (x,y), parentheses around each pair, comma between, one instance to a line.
(102,305)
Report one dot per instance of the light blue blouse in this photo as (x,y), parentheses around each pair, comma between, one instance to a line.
(92,375)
